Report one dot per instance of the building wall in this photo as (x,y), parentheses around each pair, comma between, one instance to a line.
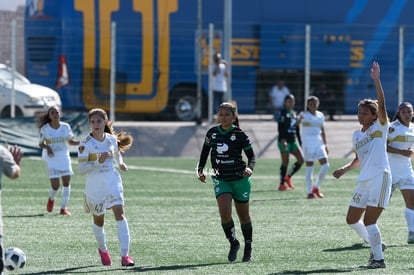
(6,19)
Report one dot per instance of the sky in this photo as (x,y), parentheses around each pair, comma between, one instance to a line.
(11,5)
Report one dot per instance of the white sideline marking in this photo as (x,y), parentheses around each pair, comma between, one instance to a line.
(189,172)
(161,169)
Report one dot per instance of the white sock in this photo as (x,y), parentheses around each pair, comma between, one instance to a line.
(409,217)
(100,237)
(65,196)
(123,236)
(52,193)
(322,174)
(375,241)
(361,230)
(309,172)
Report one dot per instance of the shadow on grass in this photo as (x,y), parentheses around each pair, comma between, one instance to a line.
(170,267)
(25,216)
(280,199)
(316,271)
(78,270)
(69,270)
(347,248)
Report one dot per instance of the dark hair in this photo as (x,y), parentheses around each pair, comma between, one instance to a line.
(312,98)
(233,110)
(402,105)
(44,118)
(288,97)
(124,139)
(372,105)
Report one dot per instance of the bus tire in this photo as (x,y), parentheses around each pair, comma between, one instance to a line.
(183,104)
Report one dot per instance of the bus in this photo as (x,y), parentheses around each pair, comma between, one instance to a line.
(68,47)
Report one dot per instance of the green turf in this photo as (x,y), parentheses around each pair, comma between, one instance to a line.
(175,226)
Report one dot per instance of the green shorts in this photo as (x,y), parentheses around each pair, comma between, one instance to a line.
(240,189)
(291,146)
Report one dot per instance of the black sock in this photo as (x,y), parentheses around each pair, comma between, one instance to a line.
(230,231)
(283,170)
(296,166)
(247,231)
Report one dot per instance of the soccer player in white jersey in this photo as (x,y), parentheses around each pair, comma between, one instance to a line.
(55,135)
(373,189)
(103,189)
(314,145)
(400,150)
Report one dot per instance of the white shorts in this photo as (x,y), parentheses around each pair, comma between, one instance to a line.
(374,192)
(58,167)
(103,191)
(402,183)
(314,152)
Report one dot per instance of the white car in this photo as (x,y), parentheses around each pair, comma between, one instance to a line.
(30,99)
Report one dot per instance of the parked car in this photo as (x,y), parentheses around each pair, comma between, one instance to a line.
(30,99)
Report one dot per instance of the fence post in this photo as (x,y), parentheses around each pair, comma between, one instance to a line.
(401,66)
(113,71)
(13,66)
(307,63)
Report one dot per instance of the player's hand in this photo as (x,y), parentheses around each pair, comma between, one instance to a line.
(247,172)
(123,167)
(17,153)
(339,172)
(407,152)
(375,70)
(103,156)
(202,177)
(50,152)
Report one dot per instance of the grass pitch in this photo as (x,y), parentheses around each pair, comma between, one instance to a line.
(175,226)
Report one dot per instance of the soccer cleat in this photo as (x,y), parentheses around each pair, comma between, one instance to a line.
(49,205)
(283,187)
(247,256)
(317,192)
(289,182)
(127,261)
(376,264)
(234,248)
(311,196)
(105,257)
(65,212)
(410,239)
(371,255)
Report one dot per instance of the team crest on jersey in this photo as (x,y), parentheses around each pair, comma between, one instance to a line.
(391,130)
(233,137)
(81,149)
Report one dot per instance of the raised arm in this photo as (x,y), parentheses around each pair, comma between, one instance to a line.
(375,75)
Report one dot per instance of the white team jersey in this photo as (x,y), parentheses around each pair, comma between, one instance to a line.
(312,128)
(372,151)
(101,179)
(56,139)
(400,137)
